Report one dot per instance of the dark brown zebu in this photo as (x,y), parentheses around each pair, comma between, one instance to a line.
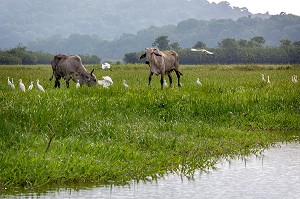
(71,67)
(162,62)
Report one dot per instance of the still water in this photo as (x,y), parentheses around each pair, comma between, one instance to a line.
(274,175)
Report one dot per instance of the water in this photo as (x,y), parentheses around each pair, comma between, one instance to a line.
(275,175)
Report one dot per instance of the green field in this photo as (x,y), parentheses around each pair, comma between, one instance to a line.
(114,135)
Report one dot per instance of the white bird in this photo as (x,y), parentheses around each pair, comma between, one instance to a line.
(105,66)
(106,82)
(22,86)
(198,82)
(294,79)
(125,84)
(39,86)
(263,78)
(11,84)
(165,83)
(107,78)
(203,50)
(268,79)
(30,86)
(77,84)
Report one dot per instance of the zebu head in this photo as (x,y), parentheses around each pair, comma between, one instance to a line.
(149,53)
(88,79)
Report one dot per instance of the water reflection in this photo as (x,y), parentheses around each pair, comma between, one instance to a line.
(275,175)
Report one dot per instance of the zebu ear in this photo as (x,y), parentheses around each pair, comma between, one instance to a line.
(92,71)
(143,56)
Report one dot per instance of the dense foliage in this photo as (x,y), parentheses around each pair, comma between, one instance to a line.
(20,55)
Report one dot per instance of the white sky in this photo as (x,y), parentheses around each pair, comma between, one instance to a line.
(262,6)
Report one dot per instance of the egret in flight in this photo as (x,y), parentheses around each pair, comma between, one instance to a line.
(203,50)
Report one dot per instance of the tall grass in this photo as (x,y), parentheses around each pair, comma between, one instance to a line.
(115,135)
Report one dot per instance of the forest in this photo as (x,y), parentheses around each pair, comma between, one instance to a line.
(229,51)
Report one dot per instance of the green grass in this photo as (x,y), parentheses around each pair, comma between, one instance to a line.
(112,136)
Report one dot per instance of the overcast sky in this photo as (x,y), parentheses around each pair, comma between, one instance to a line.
(262,6)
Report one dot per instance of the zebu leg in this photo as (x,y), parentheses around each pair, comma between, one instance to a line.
(150,77)
(170,78)
(178,77)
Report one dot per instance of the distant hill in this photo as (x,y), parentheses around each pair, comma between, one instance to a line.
(22,21)
(186,33)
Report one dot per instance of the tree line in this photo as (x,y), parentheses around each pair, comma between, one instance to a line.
(229,51)
(21,56)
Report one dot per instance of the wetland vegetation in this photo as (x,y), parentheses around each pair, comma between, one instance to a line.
(115,135)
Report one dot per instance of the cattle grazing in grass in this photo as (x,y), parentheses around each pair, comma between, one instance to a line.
(71,67)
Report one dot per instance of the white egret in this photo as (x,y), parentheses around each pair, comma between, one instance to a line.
(105,66)
(202,50)
(104,83)
(39,86)
(77,84)
(108,78)
(165,83)
(30,86)
(125,84)
(22,86)
(294,79)
(198,82)
(10,83)
(263,78)
(269,79)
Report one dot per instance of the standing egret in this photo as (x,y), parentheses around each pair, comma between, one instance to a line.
(108,78)
(294,79)
(165,83)
(198,82)
(22,86)
(77,84)
(39,86)
(106,82)
(11,84)
(263,78)
(30,86)
(105,66)
(125,84)
(268,79)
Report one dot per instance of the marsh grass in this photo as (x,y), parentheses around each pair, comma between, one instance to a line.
(112,136)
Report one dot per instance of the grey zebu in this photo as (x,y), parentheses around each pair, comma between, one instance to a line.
(71,67)
(162,62)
